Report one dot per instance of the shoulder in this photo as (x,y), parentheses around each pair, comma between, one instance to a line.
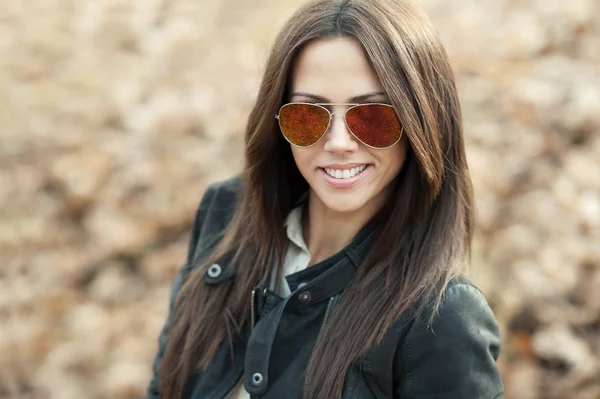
(225,192)
(214,212)
(231,186)
(464,308)
(456,350)
(463,314)
(218,204)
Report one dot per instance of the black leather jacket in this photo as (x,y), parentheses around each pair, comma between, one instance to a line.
(454,359)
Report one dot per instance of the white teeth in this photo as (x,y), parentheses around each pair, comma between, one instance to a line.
(345,173)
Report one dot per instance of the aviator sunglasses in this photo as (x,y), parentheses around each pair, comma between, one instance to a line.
(373,124)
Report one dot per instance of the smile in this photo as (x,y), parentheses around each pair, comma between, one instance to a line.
(345,178)
(344,173)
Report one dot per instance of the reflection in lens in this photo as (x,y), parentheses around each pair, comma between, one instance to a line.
(376,125)
(303,124)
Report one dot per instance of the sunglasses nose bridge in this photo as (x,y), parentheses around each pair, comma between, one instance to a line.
(339,137)
(332,115)
(340,114)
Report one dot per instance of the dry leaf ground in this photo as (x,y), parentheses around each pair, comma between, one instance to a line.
(115,114)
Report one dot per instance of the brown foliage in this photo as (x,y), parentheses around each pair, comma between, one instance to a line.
(115,115)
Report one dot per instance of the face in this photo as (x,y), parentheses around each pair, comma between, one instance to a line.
(336,71)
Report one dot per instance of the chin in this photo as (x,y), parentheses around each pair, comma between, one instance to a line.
(342,203)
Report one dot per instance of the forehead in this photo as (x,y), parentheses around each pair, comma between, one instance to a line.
(335,68)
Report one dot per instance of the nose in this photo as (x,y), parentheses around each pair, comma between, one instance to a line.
(338,139)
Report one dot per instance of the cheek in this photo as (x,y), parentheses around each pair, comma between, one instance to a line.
(303,157)
(297,157)
(394,157)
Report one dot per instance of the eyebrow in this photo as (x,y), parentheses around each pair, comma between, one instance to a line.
(355,99)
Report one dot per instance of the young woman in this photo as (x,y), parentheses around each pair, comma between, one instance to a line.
(331,268)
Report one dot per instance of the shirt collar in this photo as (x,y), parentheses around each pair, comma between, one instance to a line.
(293,227)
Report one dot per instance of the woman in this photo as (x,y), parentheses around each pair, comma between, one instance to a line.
(332,267)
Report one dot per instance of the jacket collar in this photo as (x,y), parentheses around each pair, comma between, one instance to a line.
(327,277)
(331,276)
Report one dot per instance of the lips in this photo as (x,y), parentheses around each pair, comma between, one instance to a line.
(347,181)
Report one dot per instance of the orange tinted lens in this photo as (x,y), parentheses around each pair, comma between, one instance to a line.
(303,124)
(376,125)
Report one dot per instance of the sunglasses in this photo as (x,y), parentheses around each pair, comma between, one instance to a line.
(373,124)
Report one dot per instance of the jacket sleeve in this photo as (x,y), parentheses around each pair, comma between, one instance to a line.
(152,391)
(454,358)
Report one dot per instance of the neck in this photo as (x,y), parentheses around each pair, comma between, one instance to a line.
(327,232)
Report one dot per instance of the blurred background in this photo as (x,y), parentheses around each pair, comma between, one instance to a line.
(116,114)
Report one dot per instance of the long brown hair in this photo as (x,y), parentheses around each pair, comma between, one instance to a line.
(427,231)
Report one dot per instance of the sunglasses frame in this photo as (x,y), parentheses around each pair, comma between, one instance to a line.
(350,106)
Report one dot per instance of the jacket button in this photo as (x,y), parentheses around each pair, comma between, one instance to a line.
(214,271)
(257,378)
(304,297)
